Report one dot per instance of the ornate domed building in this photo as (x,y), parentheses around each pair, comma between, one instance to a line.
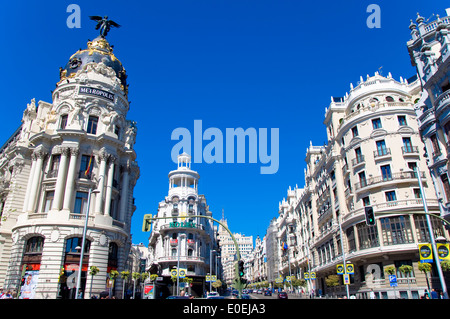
(78,146)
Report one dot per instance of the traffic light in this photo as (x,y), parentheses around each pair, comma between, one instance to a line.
(370,215)
(241,269)
(147,222)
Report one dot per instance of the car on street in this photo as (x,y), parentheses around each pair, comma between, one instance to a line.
(178,297)
(282,295)
(267,293)
(245,296)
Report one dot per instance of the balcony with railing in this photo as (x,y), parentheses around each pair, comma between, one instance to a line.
(382,153)
(360,159)
(410,150)
(397,177)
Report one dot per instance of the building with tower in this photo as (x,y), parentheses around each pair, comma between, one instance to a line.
(82,141)
(182,241)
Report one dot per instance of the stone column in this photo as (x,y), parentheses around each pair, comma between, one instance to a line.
(124,195)
(109,186)
(37,174)
(61,179)
(71,176)
(101,182)
(30,182)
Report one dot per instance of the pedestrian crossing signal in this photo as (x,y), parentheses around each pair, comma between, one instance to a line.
(370,215)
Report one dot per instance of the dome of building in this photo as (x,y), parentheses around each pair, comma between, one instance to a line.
(98,51)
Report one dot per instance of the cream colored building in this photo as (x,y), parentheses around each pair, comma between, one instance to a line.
(373,147)
(80,142)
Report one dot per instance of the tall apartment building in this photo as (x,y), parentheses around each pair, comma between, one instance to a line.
(228,251)
(373,149)
(80,142)
(182,241)
(429,50)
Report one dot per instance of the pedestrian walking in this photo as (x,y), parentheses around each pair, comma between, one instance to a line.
(434,294)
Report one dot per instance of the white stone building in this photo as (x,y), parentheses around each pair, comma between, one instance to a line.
(228,251)
(429,50)
(182,240)
(80,141)
(373,147)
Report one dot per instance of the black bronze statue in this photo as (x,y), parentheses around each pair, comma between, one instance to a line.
(104,24)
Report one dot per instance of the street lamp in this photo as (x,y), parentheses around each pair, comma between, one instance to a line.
(210,268)
(430,230)
(83,242)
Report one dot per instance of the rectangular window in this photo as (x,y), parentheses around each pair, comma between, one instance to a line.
(366,201)
(435,143)
(368,236)
(84,172)
(390,196)
(402,120)
(376,123)
(362,179)
(359,156)
(446,186)
(63,122)
(92,125)
(396,230)
(407,146)
(355,131)
(80,203)
(381,148)
(49,195)
(386,172)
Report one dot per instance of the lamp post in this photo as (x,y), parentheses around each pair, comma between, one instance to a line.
(83,242)
(433,241)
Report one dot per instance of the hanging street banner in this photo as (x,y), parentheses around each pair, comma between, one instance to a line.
(340,269)
(443,251)
(425,253)
(350,269)
(174,273)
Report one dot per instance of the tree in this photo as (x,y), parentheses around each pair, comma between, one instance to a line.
(135,276)
(113,274)
(445,265)
(426,268)
(406,270)
(93,270)
(124,275)
(332,281)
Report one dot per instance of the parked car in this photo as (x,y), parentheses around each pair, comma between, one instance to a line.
(245,296)
(268,293)
(282,295)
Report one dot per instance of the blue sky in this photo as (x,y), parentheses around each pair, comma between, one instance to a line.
(230,63)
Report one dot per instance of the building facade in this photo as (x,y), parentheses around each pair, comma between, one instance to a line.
(81,142)
(181,241)
(228,251)
(429,50)
(373,150)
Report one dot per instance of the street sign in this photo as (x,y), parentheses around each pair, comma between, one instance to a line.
(393,280)
(346,279)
